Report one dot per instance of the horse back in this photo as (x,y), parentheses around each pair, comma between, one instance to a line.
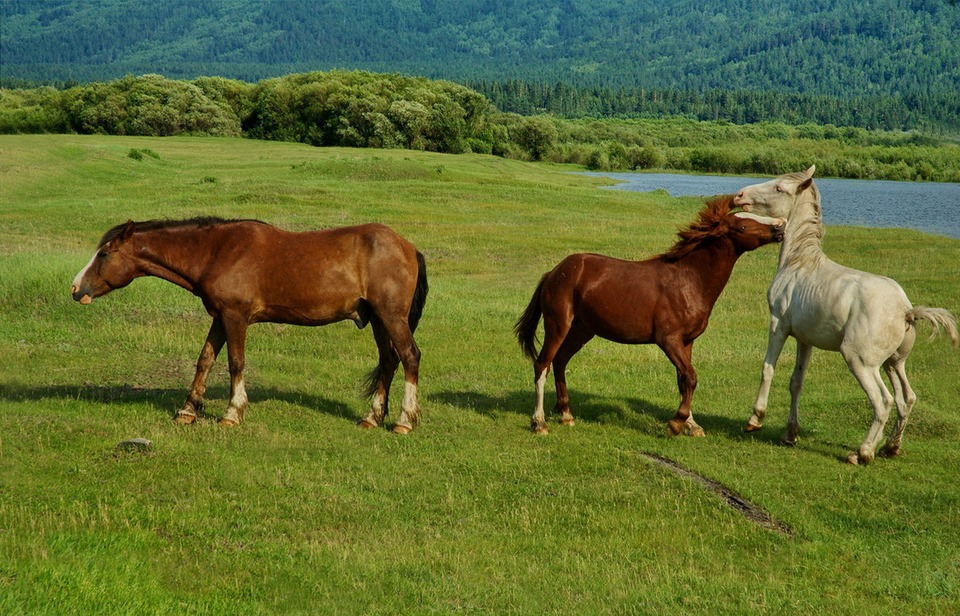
(312,277)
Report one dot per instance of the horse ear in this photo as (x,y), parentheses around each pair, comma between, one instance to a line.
(128,230)
(809,172)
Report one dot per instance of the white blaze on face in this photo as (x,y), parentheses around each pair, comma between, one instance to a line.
(75,286)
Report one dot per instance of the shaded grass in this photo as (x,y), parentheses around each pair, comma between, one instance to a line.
(298,511)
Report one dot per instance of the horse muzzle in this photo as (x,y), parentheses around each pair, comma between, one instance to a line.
(778,234)
(80,295)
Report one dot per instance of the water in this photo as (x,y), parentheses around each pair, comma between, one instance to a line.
(924,206)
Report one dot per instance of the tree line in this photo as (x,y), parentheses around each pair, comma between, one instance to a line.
(929,113)
(362,109)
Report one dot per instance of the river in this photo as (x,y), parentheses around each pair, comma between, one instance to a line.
(932,207)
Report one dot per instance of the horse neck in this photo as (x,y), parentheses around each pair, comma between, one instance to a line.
(803,237)
(711,263)
(171,254)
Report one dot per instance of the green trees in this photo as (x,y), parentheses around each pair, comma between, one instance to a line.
(359,109)
(148,105)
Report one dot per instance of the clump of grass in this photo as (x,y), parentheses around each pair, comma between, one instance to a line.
(139,153)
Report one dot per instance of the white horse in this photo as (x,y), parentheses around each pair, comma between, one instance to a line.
(866,318)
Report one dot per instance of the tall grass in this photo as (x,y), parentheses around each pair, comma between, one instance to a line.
(298,511)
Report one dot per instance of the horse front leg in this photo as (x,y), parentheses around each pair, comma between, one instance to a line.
(796,388)
(193,405)
(680,354)
(236,341)
(776,338)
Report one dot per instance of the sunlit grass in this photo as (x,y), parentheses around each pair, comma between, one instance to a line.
(298,510)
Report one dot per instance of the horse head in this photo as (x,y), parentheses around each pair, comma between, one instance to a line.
(745,231)
(110,268)
(778,197)
(750,231)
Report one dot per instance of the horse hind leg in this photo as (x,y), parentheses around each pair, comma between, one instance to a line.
(401,340)
(555,330)
(905,398)
(381,377)
(881,400)
(575,340)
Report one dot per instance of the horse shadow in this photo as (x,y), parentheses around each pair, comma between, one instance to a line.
(168,400)
(633,413)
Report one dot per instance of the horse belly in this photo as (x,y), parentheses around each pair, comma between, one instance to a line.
(630,326)
(309,296)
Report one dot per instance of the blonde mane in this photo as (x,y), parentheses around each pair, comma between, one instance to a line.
(803,236)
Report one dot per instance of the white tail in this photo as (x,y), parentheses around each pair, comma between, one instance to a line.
(940,318)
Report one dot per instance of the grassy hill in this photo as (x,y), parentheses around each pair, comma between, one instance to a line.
(298,510)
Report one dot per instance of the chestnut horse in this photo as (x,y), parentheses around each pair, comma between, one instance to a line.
(247,271)
(665,300)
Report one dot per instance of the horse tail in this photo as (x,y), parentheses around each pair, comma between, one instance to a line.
(419,294)
(526,326)
(939,318)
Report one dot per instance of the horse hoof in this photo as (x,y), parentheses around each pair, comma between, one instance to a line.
(540,430)
(366,424)
(890,452)
(184,419)
(228,423)
(401,430)
(675,429)
(567,421)
(788,443)
(751,428)
(696,431)
(853,459)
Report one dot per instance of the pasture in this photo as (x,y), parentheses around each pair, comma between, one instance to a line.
(299,511)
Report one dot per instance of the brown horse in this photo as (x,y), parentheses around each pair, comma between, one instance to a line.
(665,300)
(246,271)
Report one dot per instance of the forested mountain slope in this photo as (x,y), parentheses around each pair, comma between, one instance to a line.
(833,47)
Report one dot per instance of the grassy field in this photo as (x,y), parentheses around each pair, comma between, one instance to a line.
(299,511)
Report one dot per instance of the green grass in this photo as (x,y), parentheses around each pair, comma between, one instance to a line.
(298,511)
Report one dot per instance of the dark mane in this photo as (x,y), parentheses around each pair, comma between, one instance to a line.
(710,222)
(199,222)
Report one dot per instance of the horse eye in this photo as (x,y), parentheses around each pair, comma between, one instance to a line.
(101,254)
(779,189)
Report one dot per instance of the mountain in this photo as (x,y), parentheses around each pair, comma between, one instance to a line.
(819,47)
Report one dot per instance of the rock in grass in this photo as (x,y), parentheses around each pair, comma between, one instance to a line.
(136,444)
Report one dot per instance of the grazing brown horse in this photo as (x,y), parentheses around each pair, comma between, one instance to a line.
(246,271)
(665,300)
